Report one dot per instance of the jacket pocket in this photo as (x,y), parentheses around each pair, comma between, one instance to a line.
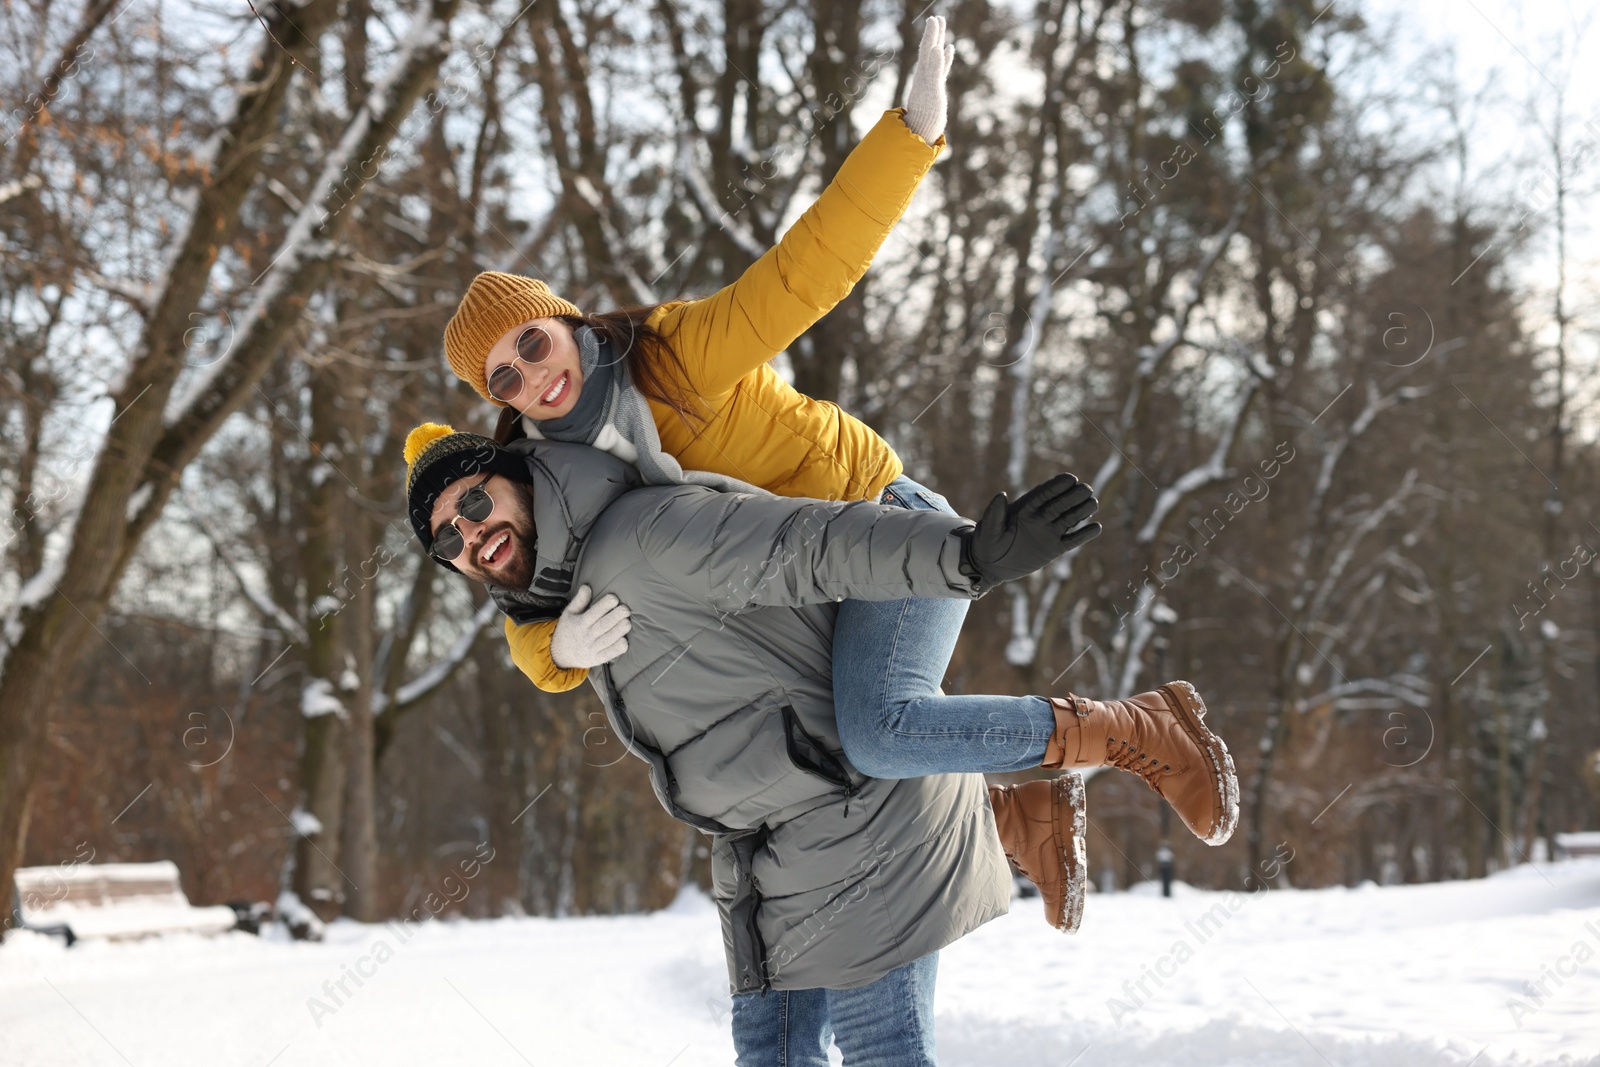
(809,754)
(752,767)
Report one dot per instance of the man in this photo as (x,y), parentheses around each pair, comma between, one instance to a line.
(835,890)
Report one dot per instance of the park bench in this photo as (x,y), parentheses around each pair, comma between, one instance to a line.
(1576,845)
(111,900)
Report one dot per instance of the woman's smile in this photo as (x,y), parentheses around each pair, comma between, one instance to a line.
(557,392)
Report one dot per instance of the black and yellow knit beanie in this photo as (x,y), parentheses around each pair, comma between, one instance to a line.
(437,455)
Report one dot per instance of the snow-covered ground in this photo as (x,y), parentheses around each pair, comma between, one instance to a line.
(1405,976)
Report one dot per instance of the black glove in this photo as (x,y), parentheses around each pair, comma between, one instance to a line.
(1012,540)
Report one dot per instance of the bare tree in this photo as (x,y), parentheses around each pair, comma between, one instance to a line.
(154,434)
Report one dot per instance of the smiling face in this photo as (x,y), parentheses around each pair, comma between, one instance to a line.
(549,389)
(500,549)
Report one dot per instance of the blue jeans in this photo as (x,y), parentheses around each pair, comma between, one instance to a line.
(889,660)
(887,1023)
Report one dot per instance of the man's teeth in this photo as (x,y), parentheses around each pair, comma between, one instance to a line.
(494,546)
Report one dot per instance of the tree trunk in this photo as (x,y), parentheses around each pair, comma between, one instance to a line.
(360,844)
(505,786)
(145,448)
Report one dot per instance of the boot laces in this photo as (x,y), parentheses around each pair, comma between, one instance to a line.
(1125,755)
(1026,871)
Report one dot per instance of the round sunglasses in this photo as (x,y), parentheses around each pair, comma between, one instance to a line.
(475,505)
(534,345)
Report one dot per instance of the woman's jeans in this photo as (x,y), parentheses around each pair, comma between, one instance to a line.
(889,659)
(887,1023)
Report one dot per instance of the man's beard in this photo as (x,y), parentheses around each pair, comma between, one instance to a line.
(518,556)
(516,570)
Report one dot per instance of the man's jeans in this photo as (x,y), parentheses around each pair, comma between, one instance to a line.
(887,1023)
(889,660)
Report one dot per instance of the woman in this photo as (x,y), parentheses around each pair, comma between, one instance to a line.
(683,390)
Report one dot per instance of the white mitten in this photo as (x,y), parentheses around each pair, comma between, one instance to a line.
(925,101)
(588,638)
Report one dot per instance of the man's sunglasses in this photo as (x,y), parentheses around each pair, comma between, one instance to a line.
(534,345)
(475,505)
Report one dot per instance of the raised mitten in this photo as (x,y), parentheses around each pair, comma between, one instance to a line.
(926,109)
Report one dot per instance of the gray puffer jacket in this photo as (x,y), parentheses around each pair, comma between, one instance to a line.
(823,877)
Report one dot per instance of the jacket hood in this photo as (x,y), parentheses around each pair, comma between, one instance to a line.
(572,486)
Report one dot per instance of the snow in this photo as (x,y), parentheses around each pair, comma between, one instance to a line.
(1405,976)
(305,824)
(293,911)
(317,699)
(136,502)
(52,881)
(1023,646)
(1021,649)
(14,189)
(134,919)
(34,593)
(40,587)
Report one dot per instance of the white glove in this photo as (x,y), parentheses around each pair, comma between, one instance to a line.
(588,638)
(925,102)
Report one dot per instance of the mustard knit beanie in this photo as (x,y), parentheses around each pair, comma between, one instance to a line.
(494,303)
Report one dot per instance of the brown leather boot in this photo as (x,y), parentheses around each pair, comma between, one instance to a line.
(1041,825)
(1162,737)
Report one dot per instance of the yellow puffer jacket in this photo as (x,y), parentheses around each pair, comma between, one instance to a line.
(760,429)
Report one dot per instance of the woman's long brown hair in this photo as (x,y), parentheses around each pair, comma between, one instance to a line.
(649,358)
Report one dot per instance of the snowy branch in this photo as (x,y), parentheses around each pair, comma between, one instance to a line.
(264,604)
(11,190)
(1024,643)
(1021,369)
(1102,666)
(1130,644)
(33,594)
(591,196)
(142,295)
(1214,469)
(358,158)
(707,202)
(531,245)
(1363,527)
(1152,357)
(1396,689)
(440,672)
